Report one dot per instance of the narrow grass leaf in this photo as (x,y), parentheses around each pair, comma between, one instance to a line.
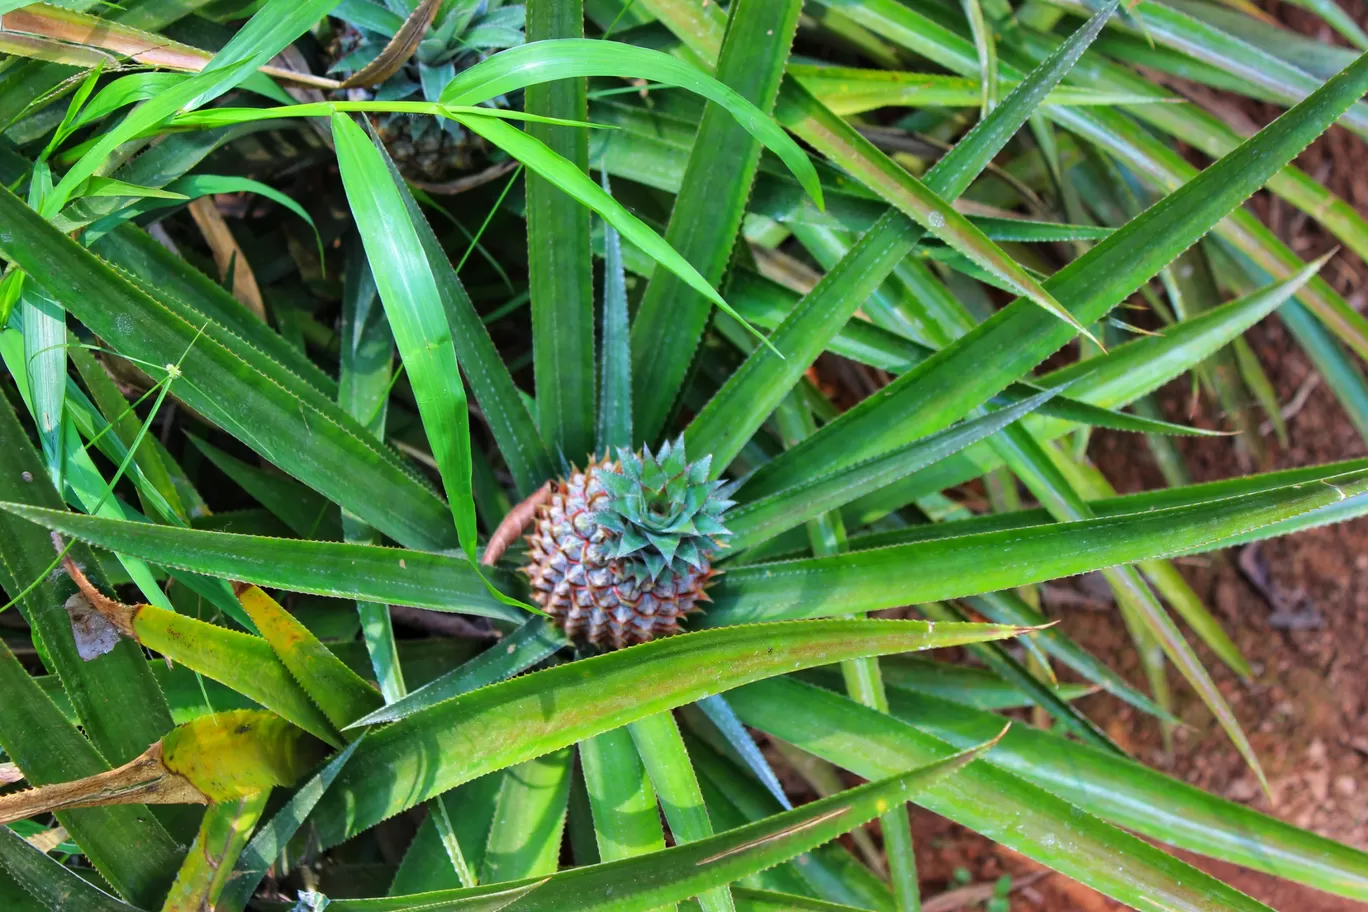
(544,61)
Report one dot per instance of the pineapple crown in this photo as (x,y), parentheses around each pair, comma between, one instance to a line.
(665,510)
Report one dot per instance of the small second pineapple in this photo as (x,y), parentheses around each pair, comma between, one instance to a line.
(463,32)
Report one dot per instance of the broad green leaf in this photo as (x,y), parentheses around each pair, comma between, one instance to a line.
(367,572)
(529,819)
(1130,794)
(416,316)
(529,644)
(244,662)
(751,393)
(1006,809)
(759,520)
(235,754)
(667,764)
(213,855)
(626,819)
(648,881)
(51,883)
(222,380)
(337,690)
(560,273)
(706,216)
(952,568)
(1129,371)
(540,62)
(1016,338)
(126,844)
(432,751)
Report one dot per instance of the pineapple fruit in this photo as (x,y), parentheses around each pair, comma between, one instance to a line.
(462,32)
(623,549)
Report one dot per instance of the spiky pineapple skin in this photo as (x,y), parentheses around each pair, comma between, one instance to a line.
(595,598)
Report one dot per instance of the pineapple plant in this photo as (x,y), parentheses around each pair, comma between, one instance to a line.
(622,551)
(819,326)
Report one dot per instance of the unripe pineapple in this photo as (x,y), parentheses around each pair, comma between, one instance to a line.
(460,35)
(624,549)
